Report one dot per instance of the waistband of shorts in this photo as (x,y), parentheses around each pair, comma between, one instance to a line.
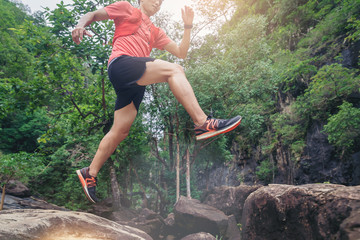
(116,58)
(113,60)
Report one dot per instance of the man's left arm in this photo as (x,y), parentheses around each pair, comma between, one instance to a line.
(181,50)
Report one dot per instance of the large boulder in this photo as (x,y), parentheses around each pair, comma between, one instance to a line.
(313,211)
(191,216)
(230,200)
(52,224)
(17,188)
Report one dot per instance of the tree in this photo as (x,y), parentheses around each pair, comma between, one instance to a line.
(21,166)
(343,128)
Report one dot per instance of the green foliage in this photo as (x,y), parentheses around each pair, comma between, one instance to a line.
(276,63)
(334,18)
(355,25)
(12,14)
(343,128)
(19,131)
(265,171)
(20,166)
(288,131)
(58,183)
(329,87)
(297,73)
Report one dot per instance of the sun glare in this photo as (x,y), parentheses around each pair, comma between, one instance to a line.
(175,6)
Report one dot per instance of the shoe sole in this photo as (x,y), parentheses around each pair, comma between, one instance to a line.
(215,133)
(84,187)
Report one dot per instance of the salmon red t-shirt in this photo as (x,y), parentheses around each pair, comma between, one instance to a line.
(137,44)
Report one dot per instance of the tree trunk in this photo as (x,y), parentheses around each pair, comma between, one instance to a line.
(103,91)
(171,141)
(145,203)
(2,197)
(115,189)
(177,158)
(188,192)
(177,169)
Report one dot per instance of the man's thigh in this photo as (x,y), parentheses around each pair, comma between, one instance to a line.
(123,118)
(157,71)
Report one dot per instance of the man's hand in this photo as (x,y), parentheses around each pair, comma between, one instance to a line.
(78,34)
(187,15)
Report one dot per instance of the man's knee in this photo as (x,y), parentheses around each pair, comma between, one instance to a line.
(119,132)
(177,68)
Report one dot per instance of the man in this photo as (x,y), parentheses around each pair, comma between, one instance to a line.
(130,69)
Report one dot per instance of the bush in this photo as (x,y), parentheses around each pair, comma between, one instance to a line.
(343,128)
(265,171)
(330,87)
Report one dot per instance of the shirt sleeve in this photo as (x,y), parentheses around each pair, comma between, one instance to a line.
(119,10)
(161,40)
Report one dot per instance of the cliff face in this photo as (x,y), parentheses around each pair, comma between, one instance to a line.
(318,162)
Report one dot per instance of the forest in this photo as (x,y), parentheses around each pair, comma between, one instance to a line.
(289,68)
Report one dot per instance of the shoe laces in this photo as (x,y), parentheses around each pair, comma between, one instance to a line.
(91,182)
(212,123)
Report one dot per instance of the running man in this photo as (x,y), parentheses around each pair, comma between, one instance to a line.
(130,69)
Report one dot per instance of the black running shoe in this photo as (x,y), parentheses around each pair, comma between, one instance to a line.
(88,184)
(214,126)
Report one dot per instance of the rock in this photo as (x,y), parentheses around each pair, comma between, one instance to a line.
(350,55)
(17,189)
(52,224)
(313,211)
(12,202)
(199,236)
(170,220)
(191,217)
(356,167)
(230,200)
(169,228)
(123,215)
(147,214)
(149,222)
(145,220)
(218,175)
(233,231)
(105,208)
(319,164)
(350,228)
(152,227)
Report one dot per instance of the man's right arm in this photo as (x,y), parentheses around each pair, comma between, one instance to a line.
(79,31)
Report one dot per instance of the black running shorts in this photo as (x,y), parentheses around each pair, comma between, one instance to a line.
(124,72)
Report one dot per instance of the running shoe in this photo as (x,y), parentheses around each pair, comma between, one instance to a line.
(214,126)
(88,184)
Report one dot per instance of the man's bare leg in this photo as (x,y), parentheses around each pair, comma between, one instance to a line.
(162,71)
(123,119)
(156,72)
(173,74)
